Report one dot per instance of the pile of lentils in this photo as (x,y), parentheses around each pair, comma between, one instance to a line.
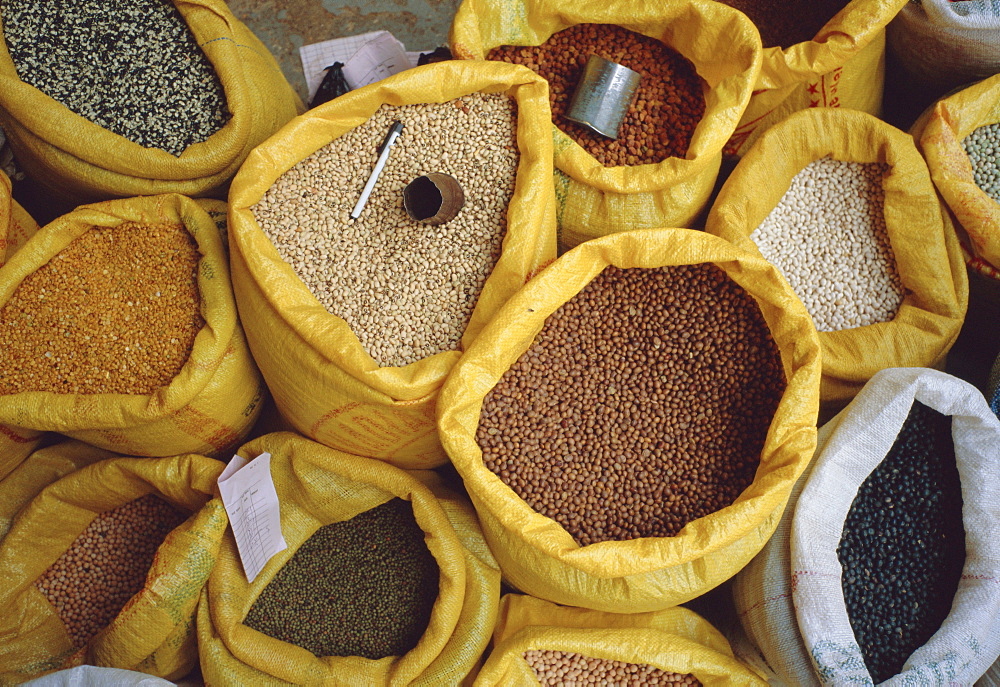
(903,545)
(784,24)
(642,404)
(115,312)
(360,587)
(668,105)
(107,564)
(828,238)
(133,68)
(557,668)
(406,289)
(983,148)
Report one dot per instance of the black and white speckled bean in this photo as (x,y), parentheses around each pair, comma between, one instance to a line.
(133,67)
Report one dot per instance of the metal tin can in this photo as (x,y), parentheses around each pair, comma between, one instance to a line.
(603,96)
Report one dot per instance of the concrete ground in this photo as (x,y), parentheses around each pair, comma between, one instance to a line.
(286,25)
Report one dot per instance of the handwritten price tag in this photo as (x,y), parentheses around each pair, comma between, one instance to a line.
(252,504)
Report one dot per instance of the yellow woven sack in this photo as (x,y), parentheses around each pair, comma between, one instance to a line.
(535,553)
(923,239)
(675,640)
(317,486)
(842,66)
(939,133)
(209,406)
(323,381)
(16,227)
(154,633)
(595,200)
(40,469)
(79,161)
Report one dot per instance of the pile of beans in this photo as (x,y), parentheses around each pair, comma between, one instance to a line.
(406,289)
(557,668)
(642,404)
(903,544)
(133,68)
(784,24)
(983,148)
(668,105)
(828,237)
(116,311)
(106,565)
(360,587)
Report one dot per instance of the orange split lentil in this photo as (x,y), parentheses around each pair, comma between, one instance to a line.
(106,565)
(116,311)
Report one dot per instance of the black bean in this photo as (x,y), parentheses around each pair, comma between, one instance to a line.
(132,67)
(903,545)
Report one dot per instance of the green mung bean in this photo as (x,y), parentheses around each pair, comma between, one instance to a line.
(360,587)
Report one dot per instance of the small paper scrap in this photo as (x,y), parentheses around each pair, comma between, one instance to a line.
(252,504)
(376,55)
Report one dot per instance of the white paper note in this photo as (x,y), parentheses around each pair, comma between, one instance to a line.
(380,57)
(252,504)
(316,57)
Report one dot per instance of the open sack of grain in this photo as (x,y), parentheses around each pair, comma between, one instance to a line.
(386,579)
(958,136)
(104,99)
(942,44)
(882,567)
(698,63)
(826,53)
(16,227)
(630,424)
(842,203)
(539,642)
(355,323)
(105,566)
(892,581)
(123,331)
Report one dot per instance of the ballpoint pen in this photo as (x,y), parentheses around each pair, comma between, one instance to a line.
(383,155)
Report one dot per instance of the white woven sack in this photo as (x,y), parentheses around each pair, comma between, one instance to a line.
(968,640)
(767,635)
(946,44)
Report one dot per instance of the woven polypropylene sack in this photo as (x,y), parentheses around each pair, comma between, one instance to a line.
(16,227)
(80,161)
(941,44)
(536,554)
(594,200)
(923,239)
(842,66)
(675,640)
(323,381)
(212,402)
(968,640)
(317,486)
(40,469)
(154,633)
(939,133)
(762,596)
